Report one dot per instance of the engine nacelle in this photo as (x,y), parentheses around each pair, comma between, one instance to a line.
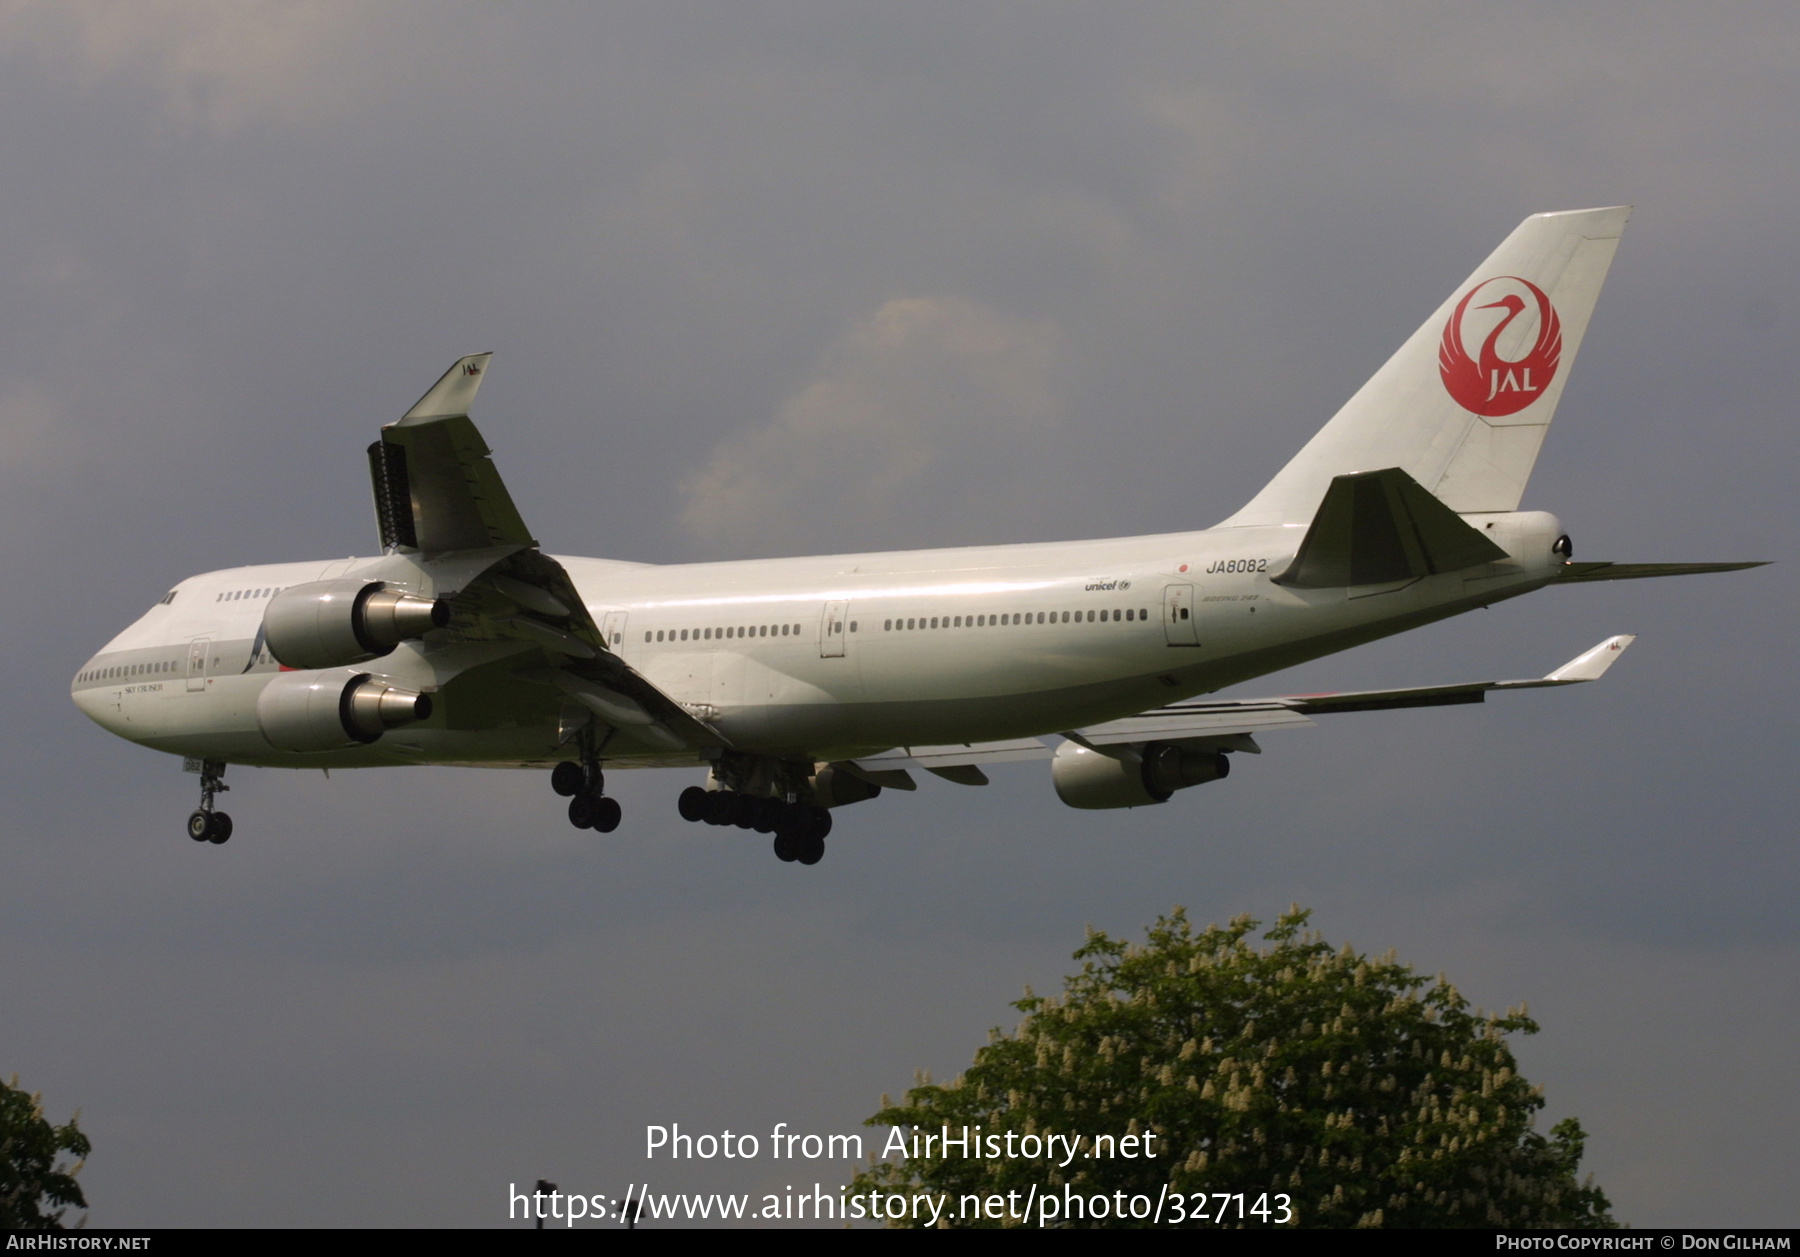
(331,710)
(1086,779)
(833,787)
(331,623)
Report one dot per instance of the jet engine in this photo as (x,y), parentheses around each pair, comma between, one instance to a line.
(330,710)
(1086,779)
(332,623)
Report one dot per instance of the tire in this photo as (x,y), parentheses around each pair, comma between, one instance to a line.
(221,829)
(607,813)
(199,825)
(692,804)
(719,804)
(567,779)
(744,811)
(581,811)
(766,812)
(812,849)
(787,846)
(821,822)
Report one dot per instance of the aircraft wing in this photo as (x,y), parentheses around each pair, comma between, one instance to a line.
(444,512)
(1590,665)
(1204,718)
(1230,724)
(525,604)
(436,489)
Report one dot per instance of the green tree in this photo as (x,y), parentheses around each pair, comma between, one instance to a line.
(1364,1093)
(35,1186)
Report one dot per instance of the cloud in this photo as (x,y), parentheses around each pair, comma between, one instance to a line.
(30,427)
(215,67)
(926,400)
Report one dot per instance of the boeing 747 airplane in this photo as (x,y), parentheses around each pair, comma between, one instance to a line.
(806,684)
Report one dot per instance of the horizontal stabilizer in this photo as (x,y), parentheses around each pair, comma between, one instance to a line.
(1576,572)
(1375,527)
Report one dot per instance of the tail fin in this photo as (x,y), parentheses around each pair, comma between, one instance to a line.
(1463,406)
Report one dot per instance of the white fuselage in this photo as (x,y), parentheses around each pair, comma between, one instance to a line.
(822,657)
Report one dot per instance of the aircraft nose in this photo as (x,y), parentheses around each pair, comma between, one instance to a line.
(99,699)
(98,704)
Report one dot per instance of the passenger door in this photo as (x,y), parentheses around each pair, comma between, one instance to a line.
(198,651)
(1179,625)
(613,631)
(831,630)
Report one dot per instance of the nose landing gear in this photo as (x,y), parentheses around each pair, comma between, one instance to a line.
(206,825)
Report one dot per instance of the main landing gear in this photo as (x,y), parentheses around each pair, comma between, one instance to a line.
(582,784)
(206,825)
(799,828)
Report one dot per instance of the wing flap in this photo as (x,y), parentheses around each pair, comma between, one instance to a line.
(932,758)
(1196,720)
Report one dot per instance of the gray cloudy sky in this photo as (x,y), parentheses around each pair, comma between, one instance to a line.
(788,277)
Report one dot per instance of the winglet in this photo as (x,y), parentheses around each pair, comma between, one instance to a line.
(1590,665)
(452,395)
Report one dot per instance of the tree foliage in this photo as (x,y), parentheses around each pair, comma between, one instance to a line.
(36,1187)
(1368,1094)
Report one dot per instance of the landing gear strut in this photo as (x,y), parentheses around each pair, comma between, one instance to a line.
(584,785)
(206,825)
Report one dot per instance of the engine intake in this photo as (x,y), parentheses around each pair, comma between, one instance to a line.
(331,710)
(1086,779)
(332,623)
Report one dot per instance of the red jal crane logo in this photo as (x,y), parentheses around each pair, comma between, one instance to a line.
(1489,384)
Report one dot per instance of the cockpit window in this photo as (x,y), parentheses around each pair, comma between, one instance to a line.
(168,598)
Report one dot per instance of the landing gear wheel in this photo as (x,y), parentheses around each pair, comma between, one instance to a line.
(607,813)
(204,824)
(787,846)
(812,849)
(719,807)
(767,810)
(568,779)
(692,803)
(818,821)
(581,811)
(744,810)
